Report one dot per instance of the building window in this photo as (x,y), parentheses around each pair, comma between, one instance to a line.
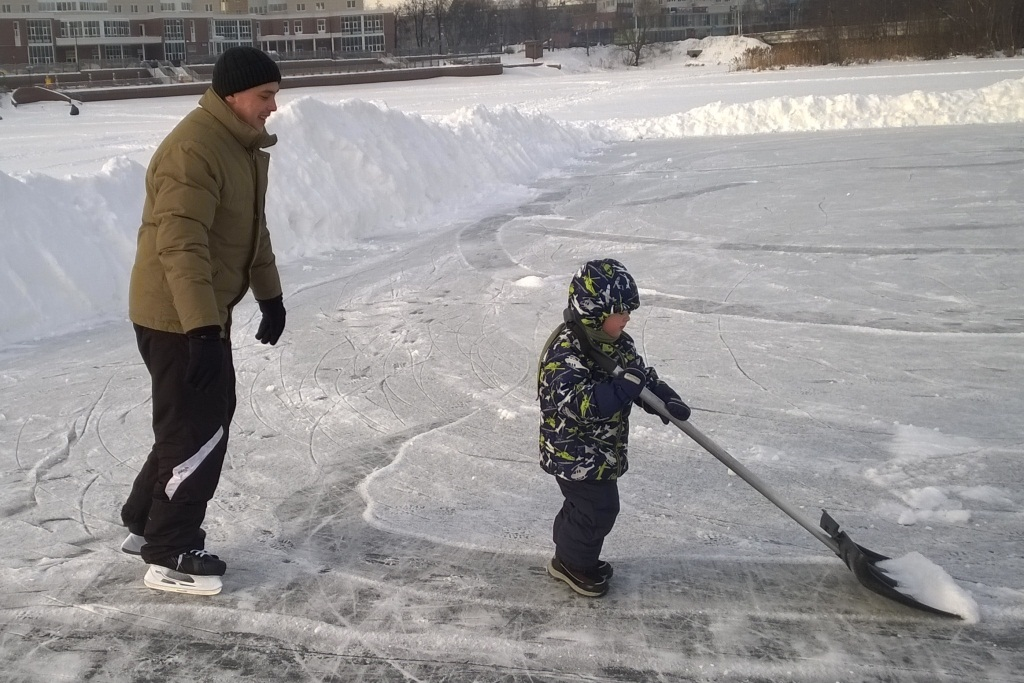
(174,29)
(298,27)
(233,32)
(39,54)
(321,26)
(39,31)
(5,9)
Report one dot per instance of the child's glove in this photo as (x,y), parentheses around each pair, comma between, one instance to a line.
(613,395)
(673,404)
(630,383)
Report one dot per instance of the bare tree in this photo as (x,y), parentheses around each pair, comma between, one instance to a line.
(439,11)
(469,24)
(636,38)
(415,14)
(535,18)
(986,25)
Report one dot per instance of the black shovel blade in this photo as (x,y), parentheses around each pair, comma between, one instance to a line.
(862,562)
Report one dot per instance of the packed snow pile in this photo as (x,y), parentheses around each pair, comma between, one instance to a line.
(928,583)
(999,103)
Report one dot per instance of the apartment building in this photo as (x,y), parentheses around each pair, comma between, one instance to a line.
(183,31)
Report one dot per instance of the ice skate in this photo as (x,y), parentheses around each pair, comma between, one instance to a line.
(196,572)
(166,579)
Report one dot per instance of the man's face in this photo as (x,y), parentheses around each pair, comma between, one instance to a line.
(255,105)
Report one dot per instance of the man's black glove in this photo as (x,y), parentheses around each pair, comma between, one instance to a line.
(205,357)
(272,324)
(673,404)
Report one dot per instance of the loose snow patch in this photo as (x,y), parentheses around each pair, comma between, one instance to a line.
(929,584)
(531,281)
(931,503)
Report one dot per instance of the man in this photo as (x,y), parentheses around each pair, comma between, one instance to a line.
(202,245)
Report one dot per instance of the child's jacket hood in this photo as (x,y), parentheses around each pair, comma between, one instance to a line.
(600,288)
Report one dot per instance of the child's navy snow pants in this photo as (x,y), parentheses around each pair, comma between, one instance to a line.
(587,516)
(168,500)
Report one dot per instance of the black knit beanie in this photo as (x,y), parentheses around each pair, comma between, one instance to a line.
(243,67)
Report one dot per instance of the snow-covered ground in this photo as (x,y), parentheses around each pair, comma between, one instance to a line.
(830,263)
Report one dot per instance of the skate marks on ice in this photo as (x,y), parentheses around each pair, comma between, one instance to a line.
(324,596)
(394,609)
(740,242)
(480,244)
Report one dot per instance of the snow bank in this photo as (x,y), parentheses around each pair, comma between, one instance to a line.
(349,172)
(356,171)
(999,103)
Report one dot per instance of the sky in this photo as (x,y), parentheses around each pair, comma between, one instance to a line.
(829,262)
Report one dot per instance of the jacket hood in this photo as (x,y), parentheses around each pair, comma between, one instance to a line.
(600,288)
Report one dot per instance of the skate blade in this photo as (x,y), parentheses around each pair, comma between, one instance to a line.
(164,579)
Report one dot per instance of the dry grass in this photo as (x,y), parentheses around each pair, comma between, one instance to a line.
(845,51)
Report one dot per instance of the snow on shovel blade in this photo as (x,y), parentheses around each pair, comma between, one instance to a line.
(862,562)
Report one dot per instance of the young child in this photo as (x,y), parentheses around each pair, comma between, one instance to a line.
(584,426)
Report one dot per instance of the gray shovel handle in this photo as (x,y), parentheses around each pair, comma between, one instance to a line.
(648,397)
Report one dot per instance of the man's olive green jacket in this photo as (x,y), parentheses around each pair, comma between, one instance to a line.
(203,242)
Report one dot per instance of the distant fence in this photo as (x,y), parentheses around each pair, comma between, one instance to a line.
(317,80)
(164,73)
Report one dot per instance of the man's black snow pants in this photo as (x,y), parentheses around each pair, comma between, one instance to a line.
(587,516)
(168,500)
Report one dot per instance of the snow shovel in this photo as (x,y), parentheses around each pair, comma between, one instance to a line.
(858,558)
